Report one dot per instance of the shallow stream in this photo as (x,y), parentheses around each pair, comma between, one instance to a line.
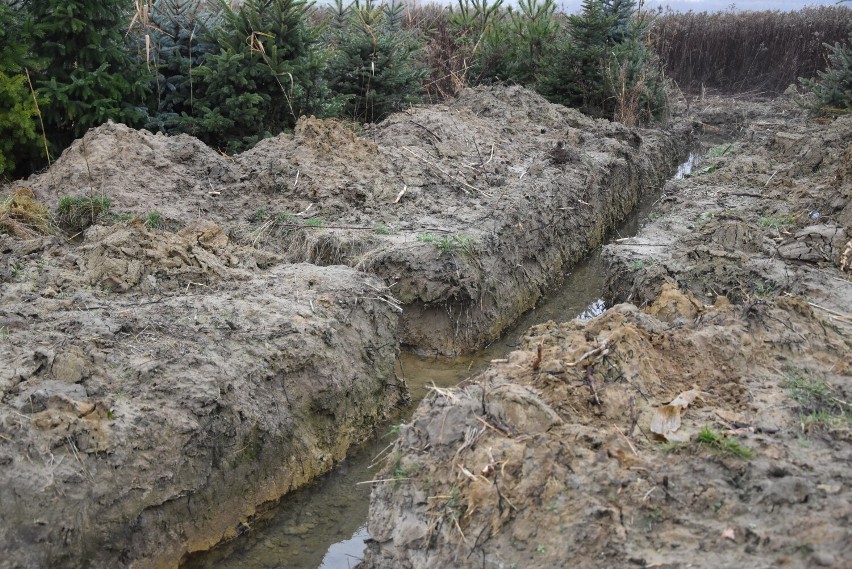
(324,525)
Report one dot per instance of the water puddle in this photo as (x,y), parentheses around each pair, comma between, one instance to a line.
(324,524)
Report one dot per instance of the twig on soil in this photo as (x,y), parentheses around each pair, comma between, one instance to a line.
(438,138)
(77,456)
(296,183)
(766,185)
(622,242)
(494,428)
(626,438)
(633,418)
(834,313)
(400,194)
(589,354)
(537,360)
(591,382)
(380,480)
(447,174)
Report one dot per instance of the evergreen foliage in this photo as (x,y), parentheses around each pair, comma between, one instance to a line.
(832,89)
(178,48)
(576,75)
(266,73)
(481,32)
(375,66)
(605,66)
(18,133)
(83,68)
(508,45)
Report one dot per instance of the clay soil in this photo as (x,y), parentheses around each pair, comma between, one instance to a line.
(730,321)
(227,328)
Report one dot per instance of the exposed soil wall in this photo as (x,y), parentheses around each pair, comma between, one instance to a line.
(710,428)
(140,426)
(469,210)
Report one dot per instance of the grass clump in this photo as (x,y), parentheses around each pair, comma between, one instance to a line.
(776,221)
(818,404)
(74,214)
(723,444)
(383,230)
(154,220)
(455,243)
(23,216)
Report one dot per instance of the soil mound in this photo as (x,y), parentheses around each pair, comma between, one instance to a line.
(470,209)
(551,457)
(137,427)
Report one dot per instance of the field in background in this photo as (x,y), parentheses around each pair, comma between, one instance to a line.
(761,52)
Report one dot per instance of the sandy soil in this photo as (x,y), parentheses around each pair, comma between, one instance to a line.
(566,453)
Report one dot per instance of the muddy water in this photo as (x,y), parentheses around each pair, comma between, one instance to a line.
(324,525)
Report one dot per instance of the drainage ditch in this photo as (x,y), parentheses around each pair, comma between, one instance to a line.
(324,524)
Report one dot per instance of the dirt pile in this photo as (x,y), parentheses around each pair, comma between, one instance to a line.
(471,209)
(140,426)
(549,458)
(767,213)
(710,428)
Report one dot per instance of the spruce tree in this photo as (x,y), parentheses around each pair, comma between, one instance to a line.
(178,46)
(576,76)
(375,66)
(832,89)
(84,68)
(266,72)
(18,113)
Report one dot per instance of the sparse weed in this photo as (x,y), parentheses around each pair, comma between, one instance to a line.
(776,222)
(313,222)
(721,443)
(383,230)
(449,243)
(640,264)
(763,289)
(719,150)
(154,220)
(819,407)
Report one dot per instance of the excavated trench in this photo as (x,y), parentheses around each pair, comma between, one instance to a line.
(229,362)
(324,525)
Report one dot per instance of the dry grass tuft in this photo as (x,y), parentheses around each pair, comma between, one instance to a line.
(23,216)
(761,52)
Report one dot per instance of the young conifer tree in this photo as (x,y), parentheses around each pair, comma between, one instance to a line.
(376,65)
(267,71)
(82,65)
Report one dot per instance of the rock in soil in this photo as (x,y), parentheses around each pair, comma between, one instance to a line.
(739,348)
